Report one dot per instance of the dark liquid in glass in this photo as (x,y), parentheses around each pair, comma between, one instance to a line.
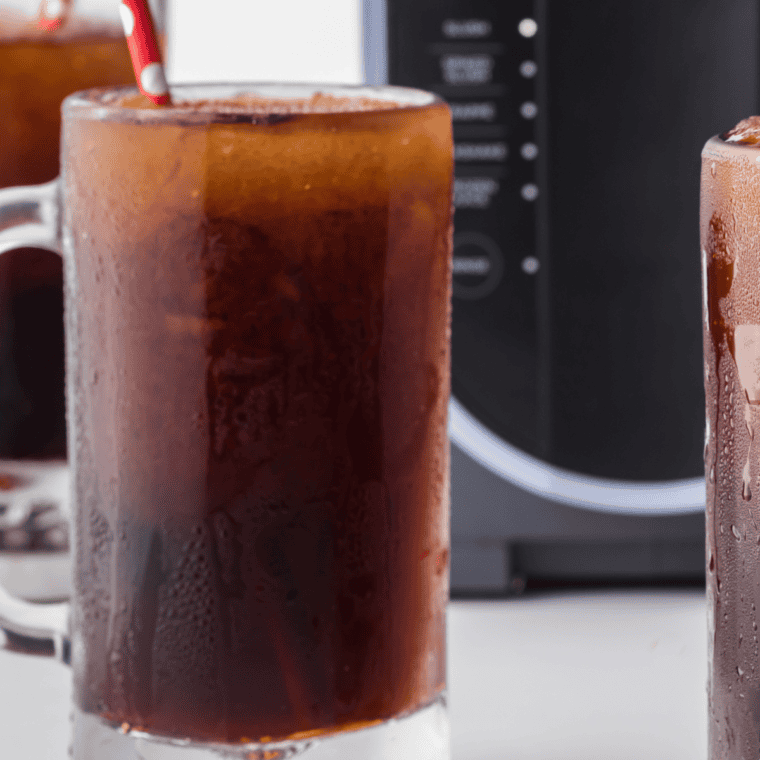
(259,396)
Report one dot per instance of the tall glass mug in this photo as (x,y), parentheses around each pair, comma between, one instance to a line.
(257,342)
(47,51)
(730,233)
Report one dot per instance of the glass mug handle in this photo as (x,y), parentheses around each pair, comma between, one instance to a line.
(29,217)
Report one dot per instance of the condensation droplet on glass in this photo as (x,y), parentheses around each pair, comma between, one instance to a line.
(746,484)
(713,169)
(712,474)
(736,533)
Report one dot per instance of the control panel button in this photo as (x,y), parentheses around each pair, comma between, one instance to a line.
(478,265)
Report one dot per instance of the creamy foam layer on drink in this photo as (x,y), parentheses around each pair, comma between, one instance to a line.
(746,132)
(318,103)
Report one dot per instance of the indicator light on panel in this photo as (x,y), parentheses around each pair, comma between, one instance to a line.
(527,27)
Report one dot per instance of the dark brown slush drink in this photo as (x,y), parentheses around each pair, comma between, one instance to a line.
(730,229)
(258,305)
(38,69)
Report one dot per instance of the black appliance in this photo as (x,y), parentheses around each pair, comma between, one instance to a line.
(578,412)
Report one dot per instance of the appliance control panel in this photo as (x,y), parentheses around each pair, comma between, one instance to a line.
(578,128)
(485,60)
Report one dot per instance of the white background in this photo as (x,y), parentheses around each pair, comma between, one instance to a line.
(276,40)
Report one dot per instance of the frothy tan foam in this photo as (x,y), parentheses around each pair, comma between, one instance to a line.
(319,102)
(746,132)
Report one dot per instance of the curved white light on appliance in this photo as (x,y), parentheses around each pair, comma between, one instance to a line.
(672,497)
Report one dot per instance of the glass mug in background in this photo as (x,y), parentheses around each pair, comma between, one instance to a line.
(730,234)
(42,60)
(257,343)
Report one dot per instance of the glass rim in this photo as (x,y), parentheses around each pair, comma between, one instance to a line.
(99,103)
(718,145)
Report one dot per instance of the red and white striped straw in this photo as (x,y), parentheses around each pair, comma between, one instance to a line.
(53,14)
(144,50)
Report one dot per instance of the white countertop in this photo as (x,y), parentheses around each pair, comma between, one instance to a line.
(613,675)
(580,676)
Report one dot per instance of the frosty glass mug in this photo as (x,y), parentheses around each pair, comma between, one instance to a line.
(47,51)
(257,310)
(729,230)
